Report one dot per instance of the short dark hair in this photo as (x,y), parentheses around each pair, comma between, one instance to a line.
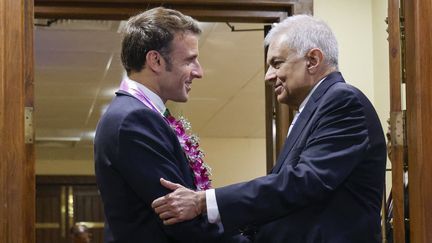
(153,29)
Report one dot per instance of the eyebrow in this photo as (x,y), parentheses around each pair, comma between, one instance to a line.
(273,60)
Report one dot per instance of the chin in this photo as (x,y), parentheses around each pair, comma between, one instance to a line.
(282,99)
(181,99)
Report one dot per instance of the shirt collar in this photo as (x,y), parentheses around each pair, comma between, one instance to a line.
(302,105)
(157,101)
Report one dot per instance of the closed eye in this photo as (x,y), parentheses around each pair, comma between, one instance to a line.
(192,58)
(276,64)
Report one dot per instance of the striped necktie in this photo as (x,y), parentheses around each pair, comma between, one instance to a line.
(167,113)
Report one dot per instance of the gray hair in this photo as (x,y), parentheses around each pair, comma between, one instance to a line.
(302,33)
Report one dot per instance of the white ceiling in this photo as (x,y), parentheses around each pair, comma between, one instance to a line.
(78,70)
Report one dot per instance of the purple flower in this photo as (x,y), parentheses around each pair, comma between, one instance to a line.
(190,145)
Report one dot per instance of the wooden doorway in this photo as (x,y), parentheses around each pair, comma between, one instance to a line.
(16,82)
(16,89)
(410,73)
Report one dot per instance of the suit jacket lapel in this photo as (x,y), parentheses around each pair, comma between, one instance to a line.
(304,118)
(300,124)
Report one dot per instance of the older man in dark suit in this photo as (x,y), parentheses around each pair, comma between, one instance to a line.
(328,181)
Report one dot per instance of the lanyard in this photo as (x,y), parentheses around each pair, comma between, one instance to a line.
(137,93)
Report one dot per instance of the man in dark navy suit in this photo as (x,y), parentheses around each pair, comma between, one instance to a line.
(134,143)
(328,180)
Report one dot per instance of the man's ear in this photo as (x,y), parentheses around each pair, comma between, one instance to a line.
(154,61)
(315,58)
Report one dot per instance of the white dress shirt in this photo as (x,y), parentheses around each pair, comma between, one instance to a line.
(154,98)
(212,207)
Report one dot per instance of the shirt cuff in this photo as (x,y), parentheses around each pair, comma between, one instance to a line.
(212,207)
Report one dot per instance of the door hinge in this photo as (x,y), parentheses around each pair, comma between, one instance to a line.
(28,125)
(397,128)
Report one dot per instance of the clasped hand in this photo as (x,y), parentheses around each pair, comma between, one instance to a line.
(180,205)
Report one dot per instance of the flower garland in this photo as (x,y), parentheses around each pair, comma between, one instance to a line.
(188,142)
(190,145)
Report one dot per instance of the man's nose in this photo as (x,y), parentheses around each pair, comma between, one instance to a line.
(198,72)
(270,75)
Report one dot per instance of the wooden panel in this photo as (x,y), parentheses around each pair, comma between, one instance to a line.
(257,4)
(48,215)
(63,201)
(3,165)
(418,16)
(233,11)
(16,159)
(179,2)
(88,209)
(120,13)
(284,117)
(397,157)
(269,111)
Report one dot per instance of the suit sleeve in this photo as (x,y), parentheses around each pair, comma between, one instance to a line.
(148,151)
(336,143)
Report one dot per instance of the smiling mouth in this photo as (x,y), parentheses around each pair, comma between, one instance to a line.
(278,89)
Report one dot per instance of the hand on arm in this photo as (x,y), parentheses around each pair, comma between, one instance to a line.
(148,151)
(181,205)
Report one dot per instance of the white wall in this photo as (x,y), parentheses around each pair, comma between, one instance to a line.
(363,48)
(381,70)
(381,61)
(234,160)
(351,21)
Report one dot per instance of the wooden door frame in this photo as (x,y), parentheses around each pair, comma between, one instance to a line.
(17,161)
(17,181)
(398,148)
(267,11)
(410,62)
(418,59)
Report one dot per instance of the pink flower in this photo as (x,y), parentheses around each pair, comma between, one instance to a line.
(192,151)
